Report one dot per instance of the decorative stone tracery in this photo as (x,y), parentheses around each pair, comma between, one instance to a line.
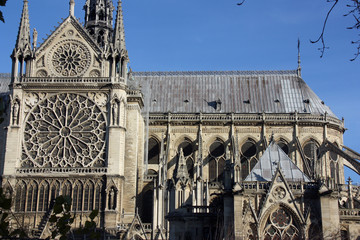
(65,130)
(70,58)
(281,225)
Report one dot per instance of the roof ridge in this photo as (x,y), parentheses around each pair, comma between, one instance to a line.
(237,72)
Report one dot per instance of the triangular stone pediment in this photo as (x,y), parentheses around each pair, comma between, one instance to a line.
(280,194)
(273,157)
(68,52)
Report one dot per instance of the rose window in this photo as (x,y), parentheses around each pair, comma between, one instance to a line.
(65,130)
(281,225)
(280,218)
(70,59)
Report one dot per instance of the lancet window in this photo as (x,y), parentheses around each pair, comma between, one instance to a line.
(217,161)
(32,197)
(188,151)
(20,199)
(89,197)
(281,225)
(334,165)
(249,157)
(154,151)
(77,197)
(311,151)
(43,196)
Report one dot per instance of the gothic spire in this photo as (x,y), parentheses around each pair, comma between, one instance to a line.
(23,38)
(119,34)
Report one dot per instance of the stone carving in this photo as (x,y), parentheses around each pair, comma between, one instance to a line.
(15,111)
(65,130)
(70,58)
(279,193)
(35,36)
(115,112)
(95,73)
(41,73)
(100,99)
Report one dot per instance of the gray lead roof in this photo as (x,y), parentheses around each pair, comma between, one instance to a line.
(238,92)
(5,79)
(274,156)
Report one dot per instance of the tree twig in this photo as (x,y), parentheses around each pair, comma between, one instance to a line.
(321,37)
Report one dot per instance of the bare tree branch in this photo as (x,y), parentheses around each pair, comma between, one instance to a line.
(321,37)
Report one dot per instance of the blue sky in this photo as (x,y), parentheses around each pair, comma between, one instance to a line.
(174,35)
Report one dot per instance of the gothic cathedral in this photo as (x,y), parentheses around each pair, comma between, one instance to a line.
(167,155)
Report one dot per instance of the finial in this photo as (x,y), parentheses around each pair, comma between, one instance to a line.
(72,7)
(299,59)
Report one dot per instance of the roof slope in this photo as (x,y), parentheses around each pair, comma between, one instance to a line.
(5,80)
(273,158)
(238,91)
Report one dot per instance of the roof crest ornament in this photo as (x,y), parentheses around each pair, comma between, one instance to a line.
(72,7)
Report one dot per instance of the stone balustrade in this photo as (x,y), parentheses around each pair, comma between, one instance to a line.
(70,80)
(40,171)
(256,117)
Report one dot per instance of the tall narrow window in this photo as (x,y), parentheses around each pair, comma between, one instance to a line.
(32,197)
(154,151)
(98,197)
(89,197)
(20,200)
(249,157)
(77,197)
(43,197)
(311,151)
(217,161)
(334,165)
(66,189)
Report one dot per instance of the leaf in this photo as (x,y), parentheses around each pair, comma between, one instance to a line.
(3,2)
(53,219)
(94,214)
(2,17)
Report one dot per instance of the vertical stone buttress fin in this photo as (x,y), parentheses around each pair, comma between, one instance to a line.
(23,38)
(119,31)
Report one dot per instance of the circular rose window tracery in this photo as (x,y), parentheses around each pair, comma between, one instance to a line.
(65,130)
(70,58)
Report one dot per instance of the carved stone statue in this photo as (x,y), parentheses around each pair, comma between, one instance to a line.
(115,113)
(35,36)
(16,111)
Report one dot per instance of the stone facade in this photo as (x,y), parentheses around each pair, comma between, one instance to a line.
(160,163)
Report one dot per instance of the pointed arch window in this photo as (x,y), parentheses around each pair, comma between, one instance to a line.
(98,197)
(55,188)
(154,151)
(66,191)
(89,197)
(43,197)
(249,157)
(281,225)
(311,151)
(334,165)
(32,197)
(20,199)
(217,161)
(77,197)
